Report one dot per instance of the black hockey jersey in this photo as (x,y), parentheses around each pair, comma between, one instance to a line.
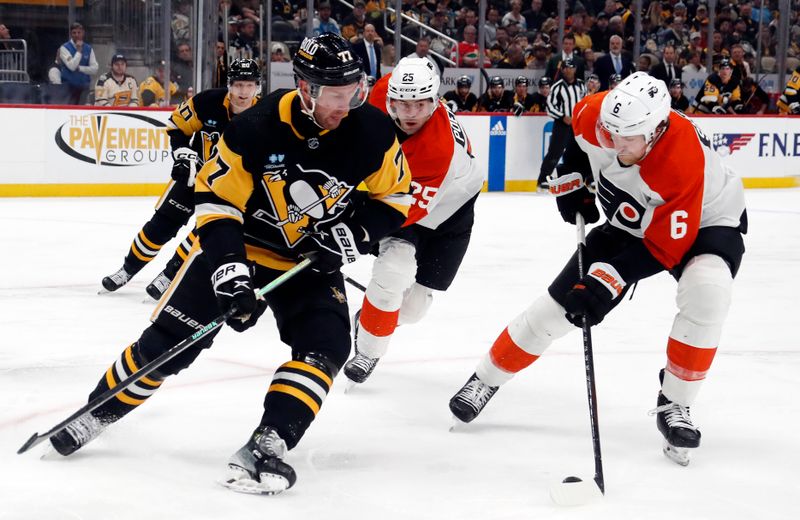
(718,96)
(199,122)
(461,105)
(489,104)
(278,179)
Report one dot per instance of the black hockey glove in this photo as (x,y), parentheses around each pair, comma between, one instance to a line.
(234,290)
(184,169)
(573,197)
(339,244)
(594,295)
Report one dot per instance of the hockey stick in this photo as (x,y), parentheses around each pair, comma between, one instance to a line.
(216,323)
(355,284)
(572,490)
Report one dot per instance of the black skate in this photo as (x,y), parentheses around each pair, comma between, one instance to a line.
(258,466)
(77,434)
(471,399)
(675,424)
(359,368)
(159,284)
(114,281)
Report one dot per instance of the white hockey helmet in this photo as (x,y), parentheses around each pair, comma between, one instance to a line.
(639,105)
(413,79)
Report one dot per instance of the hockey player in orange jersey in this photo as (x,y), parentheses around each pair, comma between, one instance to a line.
(424,256)
(670,205)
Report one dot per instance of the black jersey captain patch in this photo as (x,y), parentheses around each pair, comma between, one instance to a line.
(300,199)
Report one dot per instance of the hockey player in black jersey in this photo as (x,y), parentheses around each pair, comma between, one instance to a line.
(194,129)
(461,99)
(282,185)
(540,96)
(496,98)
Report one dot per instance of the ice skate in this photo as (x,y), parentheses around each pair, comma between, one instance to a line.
(471,399)
(159,284)
(77,434)
(258,466)
(114,281)
(359,368)
(675,424)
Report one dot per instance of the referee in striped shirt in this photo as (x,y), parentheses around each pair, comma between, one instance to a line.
(564,95)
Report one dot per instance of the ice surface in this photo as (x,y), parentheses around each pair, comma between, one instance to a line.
(384,450)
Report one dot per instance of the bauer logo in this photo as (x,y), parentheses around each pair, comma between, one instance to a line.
(114,139)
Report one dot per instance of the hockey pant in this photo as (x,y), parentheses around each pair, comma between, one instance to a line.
(173,210)
(704,291)
(312,318)
(411,264)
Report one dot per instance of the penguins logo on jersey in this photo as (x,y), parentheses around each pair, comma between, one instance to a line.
(210,140)
(618,205)
(300,199)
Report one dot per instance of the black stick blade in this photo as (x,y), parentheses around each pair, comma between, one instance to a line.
(29,444)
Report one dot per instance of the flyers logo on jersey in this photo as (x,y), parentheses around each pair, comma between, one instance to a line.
(300,199)
(618,205)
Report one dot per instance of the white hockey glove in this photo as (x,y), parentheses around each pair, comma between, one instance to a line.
(719,110)
(185,166)
(794,108)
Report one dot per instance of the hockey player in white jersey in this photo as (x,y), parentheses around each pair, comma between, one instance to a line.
(671,205)
(424,256)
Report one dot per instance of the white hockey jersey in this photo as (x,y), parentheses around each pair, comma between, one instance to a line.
(444,173)
(678,188)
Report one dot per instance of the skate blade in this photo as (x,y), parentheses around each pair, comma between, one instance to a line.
(677,455)
(348,387)
(272,486)
(570,494)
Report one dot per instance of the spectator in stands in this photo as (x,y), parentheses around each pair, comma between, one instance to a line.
(491,25)
(496,98)
(720,94)
(643,63)
(515,15)
(180,24)
(324,23)
(460,99)
(369,49)
(534,17)
(183,66)
(77,64)
(668,69)
(695,64)
(599,33)
(388,54)
(279,53)
(741,69)
(439,44)
(423,50)
(116,87)
(592,84)
(220,76)
(151,91)
(5,34)
(588,60)
(353,25)
(469,18)
(567,52)
(700,21)
(678,101)
(672,32)
(514,58)
(615,62)
(498,50)
(539,59)
(754,99)
(582,39)
(244,43)
(54,72)
(468,48)
(789,102)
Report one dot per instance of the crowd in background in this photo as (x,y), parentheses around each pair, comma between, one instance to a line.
(599,39)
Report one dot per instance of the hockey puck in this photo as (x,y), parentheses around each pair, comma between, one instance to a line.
(571,479)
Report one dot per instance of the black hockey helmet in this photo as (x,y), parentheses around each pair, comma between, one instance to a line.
(725,62)
(464,81)
(327,60)
(244,70)
(496,81)
(521,80)
(544,81)
(614,79)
